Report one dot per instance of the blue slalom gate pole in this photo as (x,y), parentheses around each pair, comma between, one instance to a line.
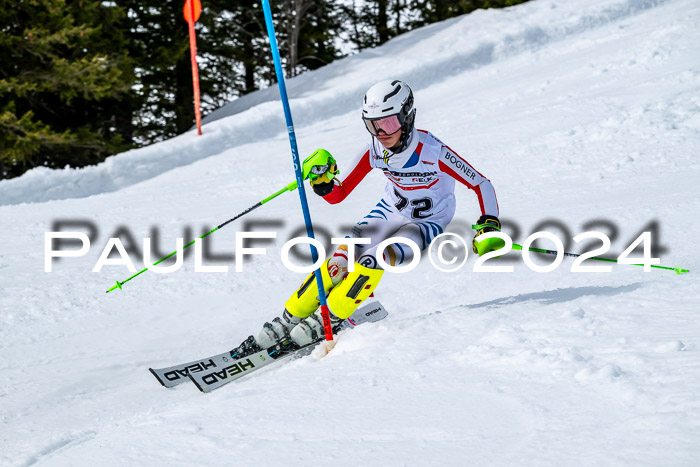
(297,166)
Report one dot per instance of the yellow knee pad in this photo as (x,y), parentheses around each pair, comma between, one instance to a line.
(353,290)
(305,301)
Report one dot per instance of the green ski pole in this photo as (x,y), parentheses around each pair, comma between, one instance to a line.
(678,269)
(291,187)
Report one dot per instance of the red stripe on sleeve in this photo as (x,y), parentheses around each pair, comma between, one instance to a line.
(448,170)
(340,192)
(476,188)
(460,157)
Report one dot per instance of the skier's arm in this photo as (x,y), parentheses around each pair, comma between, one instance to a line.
(358,170)
(463,172)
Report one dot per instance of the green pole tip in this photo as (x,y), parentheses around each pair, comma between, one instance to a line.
(114,287)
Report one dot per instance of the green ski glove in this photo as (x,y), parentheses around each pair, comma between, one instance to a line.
(320,168)
(487,223)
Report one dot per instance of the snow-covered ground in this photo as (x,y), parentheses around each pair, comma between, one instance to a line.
(581,112)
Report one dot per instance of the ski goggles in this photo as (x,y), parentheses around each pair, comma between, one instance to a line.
(389,125)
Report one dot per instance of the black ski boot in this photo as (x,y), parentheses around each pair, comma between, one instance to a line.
(248,347)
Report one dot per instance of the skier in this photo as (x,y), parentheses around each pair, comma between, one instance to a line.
(418,204)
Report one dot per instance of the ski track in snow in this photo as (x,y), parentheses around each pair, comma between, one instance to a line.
(579,111)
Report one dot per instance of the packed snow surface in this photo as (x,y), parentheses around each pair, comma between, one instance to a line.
(582,113)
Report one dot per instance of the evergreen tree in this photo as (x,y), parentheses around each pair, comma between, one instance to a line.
(83,79)
(307,34)
(431,11)
(62,68)
(230,36)
(238,44)
(373,22)
(158,42)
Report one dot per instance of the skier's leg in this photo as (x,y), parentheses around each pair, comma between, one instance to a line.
(347,290)
(350,289)
(420,231)
(395,254)
(303,302)
(353,290)
(343,300)
(380,223)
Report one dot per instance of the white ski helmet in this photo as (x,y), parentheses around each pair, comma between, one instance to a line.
(388,99)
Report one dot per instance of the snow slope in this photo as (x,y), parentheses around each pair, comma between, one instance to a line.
(578,112)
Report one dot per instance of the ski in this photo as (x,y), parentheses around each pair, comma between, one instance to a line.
(210,379)
(213,372)
(213,379)
(172,376)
